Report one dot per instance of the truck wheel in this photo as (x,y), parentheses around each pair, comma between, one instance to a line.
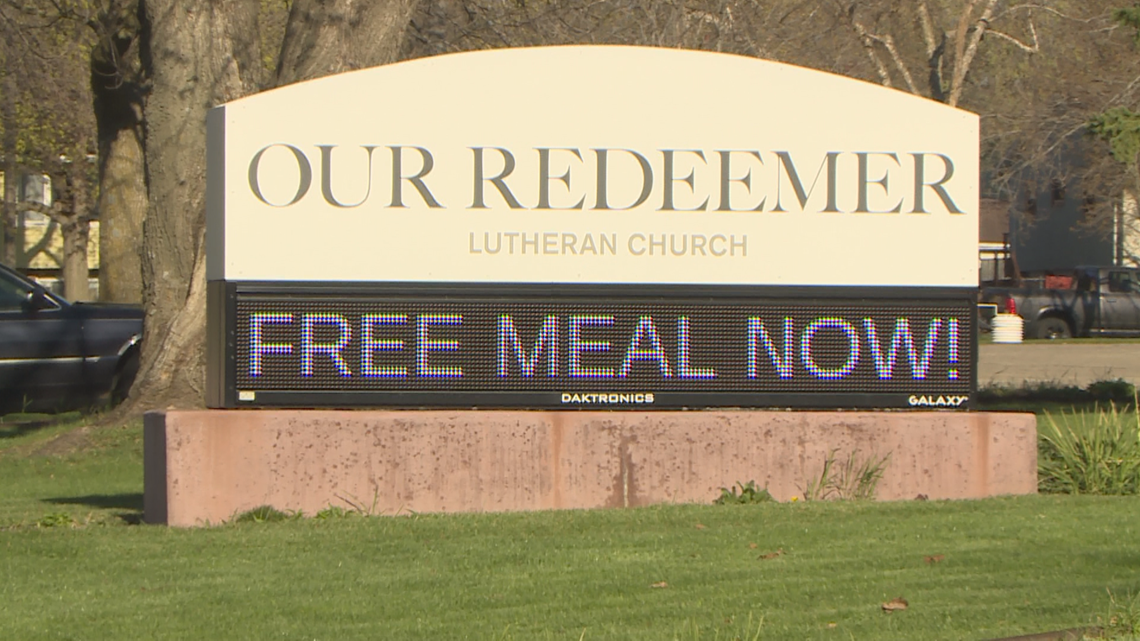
(1051,328)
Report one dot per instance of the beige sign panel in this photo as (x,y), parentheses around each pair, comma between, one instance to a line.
(593,165)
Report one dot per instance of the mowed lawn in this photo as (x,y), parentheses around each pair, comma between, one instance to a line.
(72,565)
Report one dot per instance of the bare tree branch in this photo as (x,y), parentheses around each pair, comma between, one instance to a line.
(888,43)
(966,52)
(1048,9)
(927,25)
(869,46)
(1034,48)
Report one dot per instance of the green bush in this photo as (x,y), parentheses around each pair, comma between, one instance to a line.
(1032,392)
(749,493)
(1114,391)
(1123,618)
(1117,391)
(853,479)
(58,519)
(265,514)
(1094,452)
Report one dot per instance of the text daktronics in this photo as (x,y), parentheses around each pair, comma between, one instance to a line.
(568,178)
(604,398)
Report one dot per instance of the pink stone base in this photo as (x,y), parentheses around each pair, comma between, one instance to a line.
(205,467)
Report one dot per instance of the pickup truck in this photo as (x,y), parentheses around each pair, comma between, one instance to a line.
(1101,301)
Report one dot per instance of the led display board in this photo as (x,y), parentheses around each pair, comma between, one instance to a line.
(595,347)
(591,227)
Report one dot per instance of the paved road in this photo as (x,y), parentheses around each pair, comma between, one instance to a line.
(1067,363)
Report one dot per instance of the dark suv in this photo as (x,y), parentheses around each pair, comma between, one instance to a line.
(57,355)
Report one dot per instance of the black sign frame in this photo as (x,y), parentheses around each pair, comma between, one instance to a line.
(225,298)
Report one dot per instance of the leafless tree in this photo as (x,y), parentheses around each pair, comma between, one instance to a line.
(49,129)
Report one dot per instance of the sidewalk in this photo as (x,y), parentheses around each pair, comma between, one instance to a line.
(1068,363)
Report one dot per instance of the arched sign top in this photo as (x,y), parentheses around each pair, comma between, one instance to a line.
(686,70)
(593,164)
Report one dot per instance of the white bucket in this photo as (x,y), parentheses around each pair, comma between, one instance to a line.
(1008,328)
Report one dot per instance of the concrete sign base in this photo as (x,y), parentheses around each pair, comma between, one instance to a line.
(205,467)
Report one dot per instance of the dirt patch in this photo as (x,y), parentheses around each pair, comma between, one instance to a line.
(63,444)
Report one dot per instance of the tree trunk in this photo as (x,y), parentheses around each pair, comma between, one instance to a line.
(75,273)
(200,55)
(118,86)
(75,228)
(324,37)
(122,179)
(122,209)
(8,247)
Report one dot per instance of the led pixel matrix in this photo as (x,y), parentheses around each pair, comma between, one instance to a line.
(788,346)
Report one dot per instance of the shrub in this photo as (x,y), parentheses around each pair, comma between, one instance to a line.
(1122,620)
(749,493)
(1032,392)
(1117,391)
(58,519)
(265,514)
(853,479)
(1114,391)
(1094,452)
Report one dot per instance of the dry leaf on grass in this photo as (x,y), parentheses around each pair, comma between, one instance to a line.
(934,558)
(895,604)
(700,526)
(752,546)
(660,585)
(771,555)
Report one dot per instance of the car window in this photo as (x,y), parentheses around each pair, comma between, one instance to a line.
(14,294)
(1120,282)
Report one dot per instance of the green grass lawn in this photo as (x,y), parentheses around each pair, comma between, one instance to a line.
(49,469)
(73,564)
